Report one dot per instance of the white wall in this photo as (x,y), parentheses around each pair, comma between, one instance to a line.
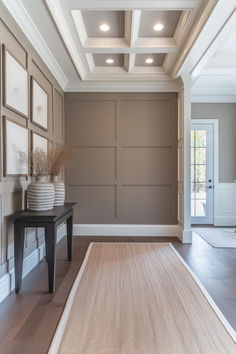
(225,189)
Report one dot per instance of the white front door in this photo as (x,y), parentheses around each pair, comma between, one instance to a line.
(202,173)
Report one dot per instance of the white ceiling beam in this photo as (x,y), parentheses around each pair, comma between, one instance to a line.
(119,45)
(121,75)
(131,62)
(74,50)
(128,18)
(133,4)
(90,61)
(223,35)
(159,45)
(140,70)
(79,25)
(135,24)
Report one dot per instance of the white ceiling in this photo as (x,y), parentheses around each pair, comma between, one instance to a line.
(217,79)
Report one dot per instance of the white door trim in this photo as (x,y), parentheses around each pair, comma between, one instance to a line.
(215,123)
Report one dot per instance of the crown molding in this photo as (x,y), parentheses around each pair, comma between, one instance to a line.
(86,86)
(22,18)
(137,4)
(197,30)
(213,98)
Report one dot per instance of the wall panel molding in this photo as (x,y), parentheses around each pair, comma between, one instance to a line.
(126,171)
(13,189)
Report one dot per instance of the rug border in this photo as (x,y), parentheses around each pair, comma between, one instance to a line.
(56,341)
(212,303)
(220,247)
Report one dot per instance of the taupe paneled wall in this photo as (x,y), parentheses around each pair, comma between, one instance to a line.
(126,169)
(12,189)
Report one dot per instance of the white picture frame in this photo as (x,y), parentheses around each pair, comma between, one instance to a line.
(16,90)
(39,141)
(16,139)
(39,105)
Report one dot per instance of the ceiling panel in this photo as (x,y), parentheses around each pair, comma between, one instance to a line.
(169,19)
(158,59)
(100,59)
(93,19)
(130,40)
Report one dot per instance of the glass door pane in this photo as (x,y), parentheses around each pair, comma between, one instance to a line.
(198,172)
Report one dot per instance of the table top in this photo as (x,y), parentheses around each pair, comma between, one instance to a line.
(47,216)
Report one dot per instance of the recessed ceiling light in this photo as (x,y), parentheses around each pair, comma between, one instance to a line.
(149,61)
(109,61)
(104,27)
(158,27)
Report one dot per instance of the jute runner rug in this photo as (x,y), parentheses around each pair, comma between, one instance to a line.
(140,298)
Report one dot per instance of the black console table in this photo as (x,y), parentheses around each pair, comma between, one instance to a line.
(49,220)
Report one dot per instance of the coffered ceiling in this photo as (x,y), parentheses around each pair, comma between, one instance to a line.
(109,42)
(127,45)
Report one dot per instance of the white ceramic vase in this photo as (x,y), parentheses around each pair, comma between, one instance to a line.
(59,187)
(40,194)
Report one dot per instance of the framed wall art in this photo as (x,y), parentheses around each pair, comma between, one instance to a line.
(16,149)
(39,141)
(15,84)
(39,105)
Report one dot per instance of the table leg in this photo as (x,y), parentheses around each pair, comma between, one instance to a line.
(50,241)
(69,224)
(19,233)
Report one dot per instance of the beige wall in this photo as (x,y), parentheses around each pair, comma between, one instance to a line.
(125,171)
(12,189)
(226,113)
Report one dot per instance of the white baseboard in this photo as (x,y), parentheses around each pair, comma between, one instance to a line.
(7,282)
(224,220)
(125,230)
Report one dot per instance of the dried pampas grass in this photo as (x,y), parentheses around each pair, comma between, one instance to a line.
(57,157)
(51,164)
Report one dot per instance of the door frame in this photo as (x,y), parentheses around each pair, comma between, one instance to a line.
(215,123)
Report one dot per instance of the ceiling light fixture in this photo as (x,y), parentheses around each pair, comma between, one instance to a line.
(149,61)
(109,61)
(104,27)
(158,27)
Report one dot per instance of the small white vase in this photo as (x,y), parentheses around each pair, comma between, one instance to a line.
(40,194)
(59,187)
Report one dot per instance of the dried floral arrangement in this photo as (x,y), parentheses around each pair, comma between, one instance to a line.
(57,157)
(51,164)
(39,162)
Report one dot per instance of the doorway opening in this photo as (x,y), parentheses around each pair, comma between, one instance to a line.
(204,170)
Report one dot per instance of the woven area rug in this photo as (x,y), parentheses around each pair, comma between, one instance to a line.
(140,298)
(217,237)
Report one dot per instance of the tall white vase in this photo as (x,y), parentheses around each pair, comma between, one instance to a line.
(41,194)
(59,187)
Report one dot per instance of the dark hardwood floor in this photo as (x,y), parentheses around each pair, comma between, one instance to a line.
(28,320)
